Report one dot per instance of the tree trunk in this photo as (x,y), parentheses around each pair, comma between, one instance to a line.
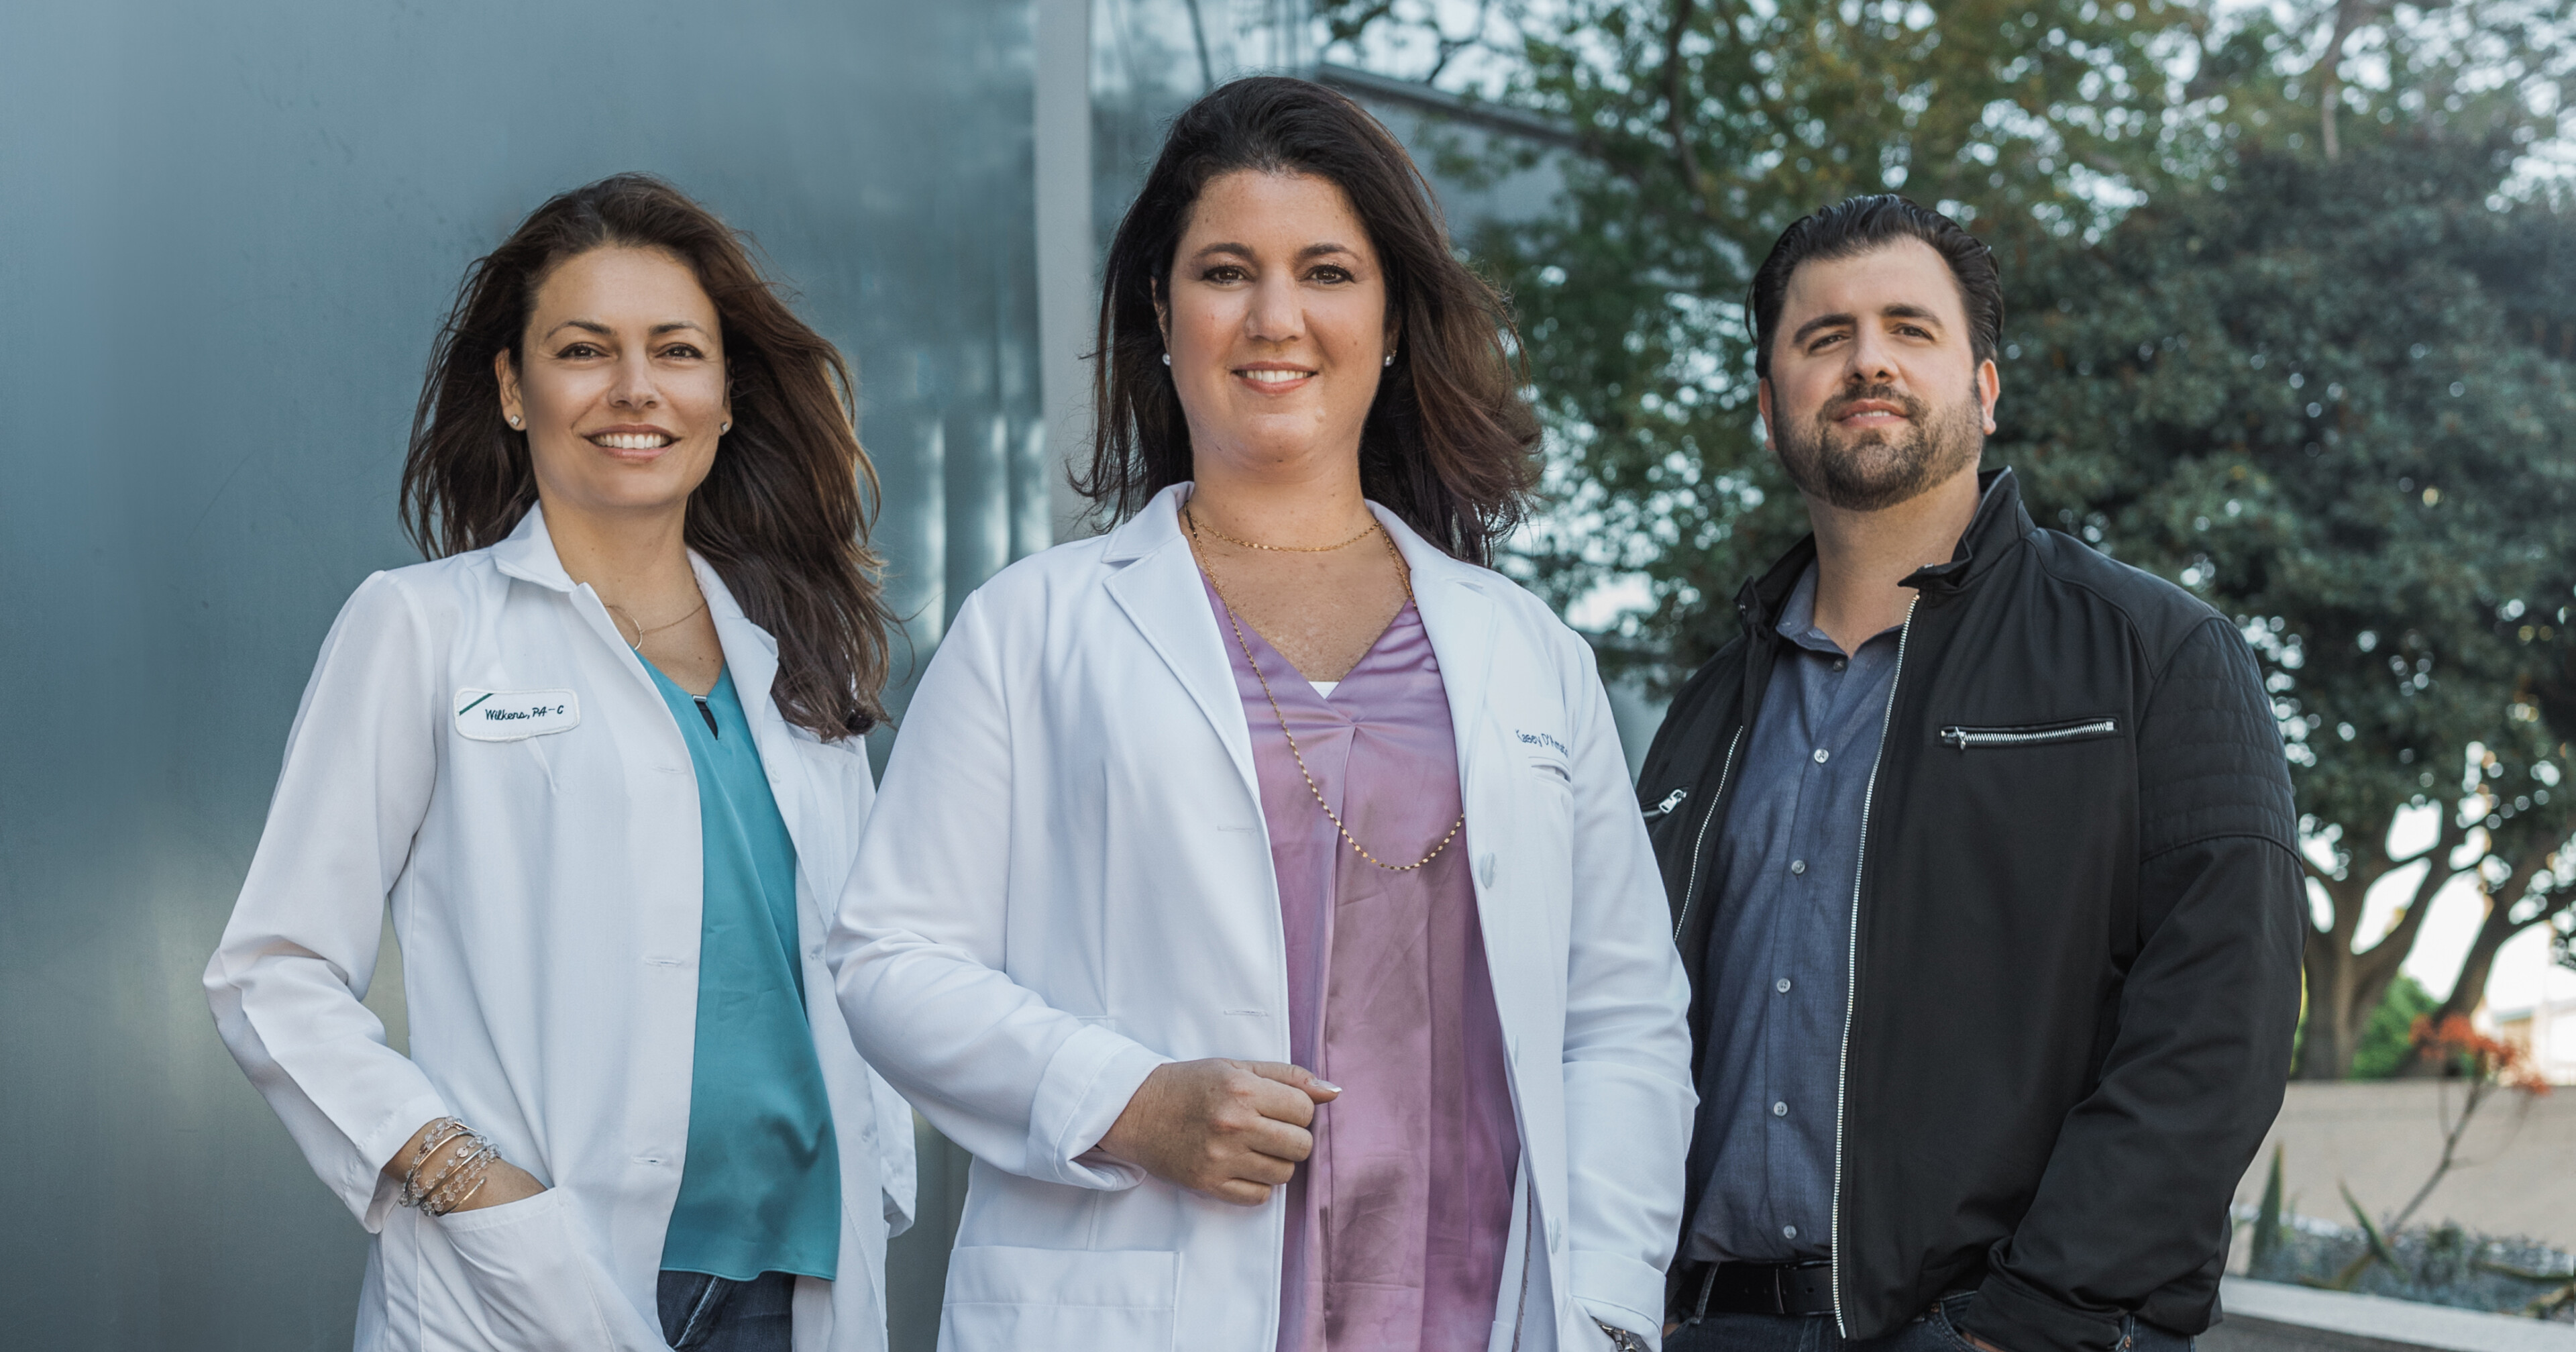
(2348,15)
(2345,987)
(2326,1037)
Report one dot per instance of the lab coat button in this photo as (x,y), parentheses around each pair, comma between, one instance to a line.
(1485,869)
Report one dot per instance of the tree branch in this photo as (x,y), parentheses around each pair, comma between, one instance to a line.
(1676,125)
(2494,932)
(2349,15)
(2379,964)
(1449,47)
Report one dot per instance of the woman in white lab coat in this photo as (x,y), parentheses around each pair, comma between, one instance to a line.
(602,758)
(1259,894)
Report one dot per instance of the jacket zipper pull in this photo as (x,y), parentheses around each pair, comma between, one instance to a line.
(1671,800)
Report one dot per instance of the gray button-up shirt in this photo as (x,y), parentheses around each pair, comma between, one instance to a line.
(1779,944)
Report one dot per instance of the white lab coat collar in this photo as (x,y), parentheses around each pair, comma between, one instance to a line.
(1160,590)
(529,555)
(750,653)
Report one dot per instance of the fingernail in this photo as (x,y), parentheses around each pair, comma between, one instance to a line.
(1327,1086)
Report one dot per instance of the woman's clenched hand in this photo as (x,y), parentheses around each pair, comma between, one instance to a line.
(1231,1129)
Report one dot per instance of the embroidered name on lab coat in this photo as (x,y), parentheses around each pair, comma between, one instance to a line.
(515,715)
(1541,739)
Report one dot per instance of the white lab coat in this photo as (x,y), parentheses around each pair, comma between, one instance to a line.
(545,894)
(1069,883)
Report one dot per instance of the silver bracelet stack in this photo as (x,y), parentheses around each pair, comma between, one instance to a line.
(462,1176)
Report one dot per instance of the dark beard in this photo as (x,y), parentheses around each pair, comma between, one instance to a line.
(1867,471)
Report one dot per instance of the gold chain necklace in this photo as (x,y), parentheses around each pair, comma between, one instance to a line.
(1195,528)
(642,633)
(1236,624)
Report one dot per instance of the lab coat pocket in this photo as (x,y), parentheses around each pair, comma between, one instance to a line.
(1008,1298)
(536,1279)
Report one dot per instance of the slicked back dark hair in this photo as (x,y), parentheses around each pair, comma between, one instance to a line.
(1858,225)
(783,513)
(1449,445)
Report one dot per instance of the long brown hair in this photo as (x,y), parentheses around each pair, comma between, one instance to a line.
(1449,443)
(784,513)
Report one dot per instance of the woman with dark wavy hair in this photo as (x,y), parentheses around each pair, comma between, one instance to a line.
(602,758)
(1259,893)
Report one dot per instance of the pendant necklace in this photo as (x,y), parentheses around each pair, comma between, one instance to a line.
(1404,576)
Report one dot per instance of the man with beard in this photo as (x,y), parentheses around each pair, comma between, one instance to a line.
(1981,856)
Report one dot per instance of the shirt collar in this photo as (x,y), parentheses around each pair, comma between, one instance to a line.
(1798,619)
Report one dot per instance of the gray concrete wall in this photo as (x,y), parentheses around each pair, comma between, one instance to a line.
(2383,1139)
(227,233)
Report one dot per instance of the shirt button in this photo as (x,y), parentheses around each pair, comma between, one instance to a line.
(1841,662)
(1781,985)
(1822,755)
(1788,1232)
(1797,866)
(1779,1110)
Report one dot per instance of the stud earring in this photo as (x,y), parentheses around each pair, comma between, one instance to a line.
(723,427)
(1167,359)
(514,420)
(1390,360)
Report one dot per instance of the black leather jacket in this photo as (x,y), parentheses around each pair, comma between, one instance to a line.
(2074,947)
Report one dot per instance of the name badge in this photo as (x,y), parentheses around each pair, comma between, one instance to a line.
(515,715)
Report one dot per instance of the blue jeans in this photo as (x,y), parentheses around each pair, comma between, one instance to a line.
(701,1313)
(1932,1331)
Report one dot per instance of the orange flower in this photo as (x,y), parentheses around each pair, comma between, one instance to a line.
(2456,1041)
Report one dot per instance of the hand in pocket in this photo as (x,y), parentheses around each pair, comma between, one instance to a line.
(534,1275)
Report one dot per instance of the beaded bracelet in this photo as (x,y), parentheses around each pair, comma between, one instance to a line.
(446,1196)
(485,1173)
(478,1151)
(434,1139)
(465,1154)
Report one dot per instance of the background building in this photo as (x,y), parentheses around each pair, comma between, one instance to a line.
(2546,1032)
(227,236)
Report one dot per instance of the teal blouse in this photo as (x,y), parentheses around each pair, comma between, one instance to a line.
(761,1190)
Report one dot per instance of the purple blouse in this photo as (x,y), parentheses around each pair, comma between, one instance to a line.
(1397,1224)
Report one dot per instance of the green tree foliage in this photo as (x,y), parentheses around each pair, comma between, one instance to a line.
(1705,129)
(2387,1045)
(2336,402)
(2233,356)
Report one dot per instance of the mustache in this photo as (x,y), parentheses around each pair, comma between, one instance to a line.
(1885,394)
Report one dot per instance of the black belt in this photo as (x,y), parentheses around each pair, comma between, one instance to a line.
(1762,1288)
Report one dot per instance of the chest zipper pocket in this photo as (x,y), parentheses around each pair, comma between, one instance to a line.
(2032,734)
(1672,801)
